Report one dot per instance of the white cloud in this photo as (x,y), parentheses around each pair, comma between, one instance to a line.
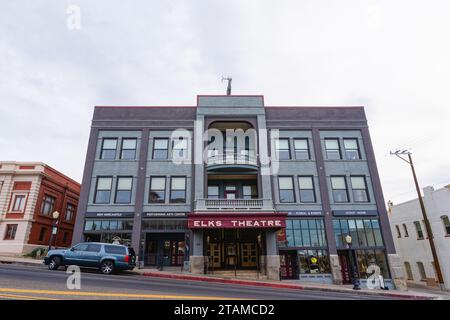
(390,56)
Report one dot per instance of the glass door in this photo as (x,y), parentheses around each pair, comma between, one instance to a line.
(248,255)
(231,192)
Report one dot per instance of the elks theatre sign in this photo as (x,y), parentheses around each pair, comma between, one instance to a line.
(274,221)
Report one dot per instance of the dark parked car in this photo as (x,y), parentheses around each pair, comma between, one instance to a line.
(104,256)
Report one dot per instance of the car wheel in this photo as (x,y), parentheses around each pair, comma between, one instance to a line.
(107,267)
(54,264)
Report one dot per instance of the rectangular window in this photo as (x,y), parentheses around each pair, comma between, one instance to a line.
(160,148)
(405,230)
(419,230)
(213,192)
(157,190)
(70,212)
(65,236)
(339,189)
(109,146)
(301,147)
(11,230)
(332,148)
(48,204)
(180,149)
(282,149)
(351,147)
(18,203)
(249,192)
(446,223)
(364,232)
(42,234)
(178,190)
(313,262)
(305,233)
(128,151)
(399,234)
(306,186)
(124,189)
(359,187)
(286,188)
(103,190)
(422,273)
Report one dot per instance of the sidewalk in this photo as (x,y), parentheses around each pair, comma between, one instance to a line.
(175,273)
(411,294)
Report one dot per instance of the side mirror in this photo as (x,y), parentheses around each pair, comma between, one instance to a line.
(72,249)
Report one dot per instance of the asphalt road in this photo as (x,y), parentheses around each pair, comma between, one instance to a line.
(37,282)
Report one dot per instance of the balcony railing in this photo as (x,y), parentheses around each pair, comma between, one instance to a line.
(233,204)
(243,158)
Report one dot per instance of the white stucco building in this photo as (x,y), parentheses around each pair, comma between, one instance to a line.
(411,239)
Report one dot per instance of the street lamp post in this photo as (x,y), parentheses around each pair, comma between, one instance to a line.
(353,267)
(55,216)
(437,265)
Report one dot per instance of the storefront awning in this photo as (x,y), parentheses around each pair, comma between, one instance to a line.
(237,220)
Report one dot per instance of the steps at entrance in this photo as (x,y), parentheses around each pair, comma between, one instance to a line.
(240,274)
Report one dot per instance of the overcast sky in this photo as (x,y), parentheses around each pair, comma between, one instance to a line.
(390,56)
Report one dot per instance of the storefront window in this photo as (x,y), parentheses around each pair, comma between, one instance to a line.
(106,225)
(305,233)
(364,232)
(366,258)
(313,261)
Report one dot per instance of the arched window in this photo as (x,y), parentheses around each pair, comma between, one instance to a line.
(409,273)
(446,223)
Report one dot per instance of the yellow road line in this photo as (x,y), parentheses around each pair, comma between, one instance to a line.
(112,295)
(19,297)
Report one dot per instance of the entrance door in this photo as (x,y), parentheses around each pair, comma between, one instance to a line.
(214,255)
(230,255)
(345,267)
(248,255)
(288,265)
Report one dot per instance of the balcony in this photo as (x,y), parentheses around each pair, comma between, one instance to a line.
(234,204)
(244,160)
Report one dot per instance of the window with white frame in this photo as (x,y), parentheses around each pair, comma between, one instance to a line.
(419,230)
(157,190)
(180,148)
(339,189)
(160,149)
(109,147)
(178,190)
(282,149)
(128,151)
(18,203)
(332,149)
(10,233)
(124,189)
(359,188)
(351,148)
(286,189)
(306,186)
(301,147)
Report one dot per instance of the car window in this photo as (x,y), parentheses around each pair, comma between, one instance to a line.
(94,248)
(115,250)
(80,247)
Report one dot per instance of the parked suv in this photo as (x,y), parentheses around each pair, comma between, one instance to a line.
(104,256)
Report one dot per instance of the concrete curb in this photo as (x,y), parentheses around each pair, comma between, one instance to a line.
(24,263)
(284,285)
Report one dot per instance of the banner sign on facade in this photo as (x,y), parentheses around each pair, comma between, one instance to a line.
(305,213)
(231,222)
(109,214)
(346,213)
(164,214)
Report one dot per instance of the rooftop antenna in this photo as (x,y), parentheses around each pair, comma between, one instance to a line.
(229,79)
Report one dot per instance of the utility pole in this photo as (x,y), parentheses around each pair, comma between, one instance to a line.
(437,265)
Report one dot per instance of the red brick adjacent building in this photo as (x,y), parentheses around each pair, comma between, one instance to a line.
(29,194)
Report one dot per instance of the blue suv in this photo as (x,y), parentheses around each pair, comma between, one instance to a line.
(104,256)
